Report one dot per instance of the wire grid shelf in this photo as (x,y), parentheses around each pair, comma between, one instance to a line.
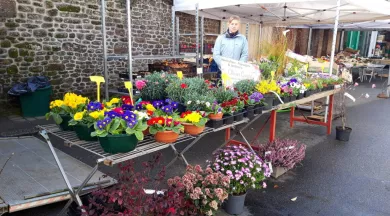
(146,146)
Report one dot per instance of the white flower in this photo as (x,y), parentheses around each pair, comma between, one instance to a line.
(197,102)
(208,104)
(189,102)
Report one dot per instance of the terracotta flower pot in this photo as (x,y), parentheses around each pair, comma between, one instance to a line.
(192,129)
(215,116)
(146,132)
(166,136)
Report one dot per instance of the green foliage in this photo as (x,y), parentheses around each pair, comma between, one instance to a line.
(246,86)
(295,67)
(266,68)
(201,102)
(119,126)
(175,92)
(222,95)
(156,84)
(196,84)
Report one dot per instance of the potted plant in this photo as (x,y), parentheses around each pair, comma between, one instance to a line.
(245,86)
(154,85)
(245,169)
(309,89)
(119,131)
(204,189)
(83,121)
(198,102)
(176,91)
(268,88)
(283,154)
(164,129)
(193,121)
(215,111)
(229,108)
(256,98)
(71,104)
(343,132)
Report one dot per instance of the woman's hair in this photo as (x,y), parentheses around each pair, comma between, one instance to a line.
(234,18)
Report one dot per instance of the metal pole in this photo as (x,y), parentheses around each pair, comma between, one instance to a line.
(336,24)
(197,33)
(103,11)
(260,38)
(201,43)
(173,32)
(342,41)
(247,30)
(309,42)
(178,36)
(130,58)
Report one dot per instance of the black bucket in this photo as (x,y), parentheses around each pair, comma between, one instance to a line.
(343,135)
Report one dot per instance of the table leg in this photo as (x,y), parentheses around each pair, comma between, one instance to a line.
(181,154)
(292,114)
(74,196)
(330,115)
(227,134)
(272,126)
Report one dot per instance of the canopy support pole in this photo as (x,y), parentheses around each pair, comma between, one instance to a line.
(103,11)
(309,42)
(341,47)
(130,58)
(336,24)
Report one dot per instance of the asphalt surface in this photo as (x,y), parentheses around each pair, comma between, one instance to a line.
(335,178)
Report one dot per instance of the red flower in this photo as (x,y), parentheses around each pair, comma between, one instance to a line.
(183,86)
(171,210)
(169,121)
(144,102)
(150,113)
(151,121)
(176,123)
(126,100)
(118,110)
(184,114)
(160,120)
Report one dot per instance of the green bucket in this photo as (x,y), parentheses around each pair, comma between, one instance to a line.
(65,123)
(121,143)
(36,103)
(84,132)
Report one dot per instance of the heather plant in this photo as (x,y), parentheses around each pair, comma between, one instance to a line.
(283,152)
(205,189)
(245,169)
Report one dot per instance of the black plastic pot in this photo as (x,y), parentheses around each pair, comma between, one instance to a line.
(277,101)
(300,96)
(249,112)
(259,109)
(269,101)
(228,119)
(343,135)
(286,99)
(214,123)
(181,108)
(307,93)
(239,116)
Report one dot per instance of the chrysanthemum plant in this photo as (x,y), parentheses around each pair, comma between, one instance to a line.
(119,121)
(245,168)
(199,102)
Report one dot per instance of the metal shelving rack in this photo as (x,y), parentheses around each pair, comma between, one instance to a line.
(175,45)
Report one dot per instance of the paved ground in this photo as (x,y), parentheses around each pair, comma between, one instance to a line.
(336,178)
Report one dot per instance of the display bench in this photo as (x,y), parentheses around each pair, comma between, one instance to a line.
(147,146)
(293,118)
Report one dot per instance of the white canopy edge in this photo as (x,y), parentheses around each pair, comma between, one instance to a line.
(360,26)
(287,12)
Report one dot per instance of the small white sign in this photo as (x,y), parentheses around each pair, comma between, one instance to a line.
(237,70)
(199,70)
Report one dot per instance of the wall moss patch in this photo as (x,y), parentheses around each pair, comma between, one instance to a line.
(13,53)
(69,8)
(13,69)
(5,43)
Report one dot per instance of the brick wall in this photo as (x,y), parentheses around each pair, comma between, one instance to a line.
(62,39)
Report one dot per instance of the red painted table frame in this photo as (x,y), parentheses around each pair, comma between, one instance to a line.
(293,118)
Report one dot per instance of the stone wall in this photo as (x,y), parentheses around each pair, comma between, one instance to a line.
(62,39)
(187,25)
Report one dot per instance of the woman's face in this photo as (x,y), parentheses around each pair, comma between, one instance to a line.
(234,26)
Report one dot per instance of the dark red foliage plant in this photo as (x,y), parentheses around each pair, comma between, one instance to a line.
(128,197)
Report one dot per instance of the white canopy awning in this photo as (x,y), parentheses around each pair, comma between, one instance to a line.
(360,26)
(288,12)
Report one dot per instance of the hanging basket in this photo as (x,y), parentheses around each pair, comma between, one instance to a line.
(166,136)
(192,129)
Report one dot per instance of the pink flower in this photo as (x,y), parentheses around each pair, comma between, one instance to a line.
(140,84)
(373,86)
(356,84)
(241,182)
(264,185)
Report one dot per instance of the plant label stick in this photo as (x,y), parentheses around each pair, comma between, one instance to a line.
(98,80)
(129,87)
(180,75)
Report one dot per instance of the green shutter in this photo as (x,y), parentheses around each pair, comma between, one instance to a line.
(353,39)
